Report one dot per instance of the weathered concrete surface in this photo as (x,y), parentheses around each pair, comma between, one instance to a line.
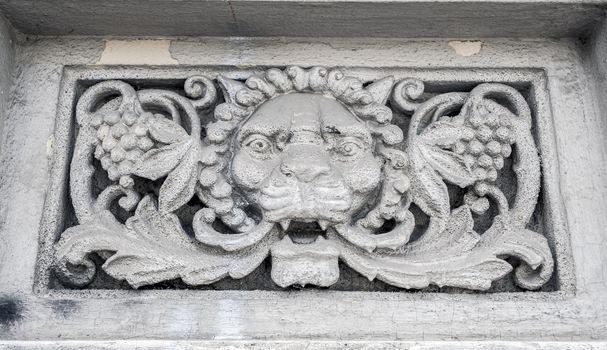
(36,125)
(7,59)
(360,18)
(595,59)
(307,314)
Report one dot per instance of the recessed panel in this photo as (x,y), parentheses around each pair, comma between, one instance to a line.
(287,178)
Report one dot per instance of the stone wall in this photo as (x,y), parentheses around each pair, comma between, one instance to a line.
(32,316)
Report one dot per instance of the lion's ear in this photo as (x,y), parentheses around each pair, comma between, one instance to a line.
(380,89)
(230,87)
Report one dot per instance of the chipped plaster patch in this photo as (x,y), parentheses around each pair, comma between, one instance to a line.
(466,48)
(147,52)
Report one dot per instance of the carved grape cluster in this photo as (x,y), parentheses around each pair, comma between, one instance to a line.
(123,138)
(486,141)
(484,150)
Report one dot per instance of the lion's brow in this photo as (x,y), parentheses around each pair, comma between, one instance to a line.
(350,130)
(258,129)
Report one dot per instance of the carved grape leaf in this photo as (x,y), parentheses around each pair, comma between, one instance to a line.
(478,273)
(180,161)
(158,162)
(153,238)
(459,236)
(461,257)
(179,186)
(532,248)
(152,247)
(474,269)
(431,163)
(428,190)
(166,131)
(442,133)
(449,165)
(98,234)
(456,259)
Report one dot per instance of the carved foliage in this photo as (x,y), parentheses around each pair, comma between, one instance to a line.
(304,147)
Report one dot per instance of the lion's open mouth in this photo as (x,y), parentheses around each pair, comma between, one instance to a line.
(302,232)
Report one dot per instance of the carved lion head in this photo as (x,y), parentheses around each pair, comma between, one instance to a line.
(305,145)
(305,157)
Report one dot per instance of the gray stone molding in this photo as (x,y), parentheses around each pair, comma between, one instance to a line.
(361,18)
(419,165)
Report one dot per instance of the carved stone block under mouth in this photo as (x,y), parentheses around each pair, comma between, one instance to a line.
(409,181)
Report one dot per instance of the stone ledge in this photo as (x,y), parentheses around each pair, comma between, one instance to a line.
(298,344)
(366,18)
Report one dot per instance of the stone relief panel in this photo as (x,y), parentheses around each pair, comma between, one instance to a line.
(310,171)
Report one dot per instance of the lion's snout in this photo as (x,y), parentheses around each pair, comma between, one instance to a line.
(305,162)
(305,187)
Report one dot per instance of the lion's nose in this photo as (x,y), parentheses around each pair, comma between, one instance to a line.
(305,162)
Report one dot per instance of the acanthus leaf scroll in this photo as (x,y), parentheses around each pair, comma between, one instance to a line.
(303,147)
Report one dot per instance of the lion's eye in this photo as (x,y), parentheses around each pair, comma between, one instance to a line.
(258,144)
(349,148)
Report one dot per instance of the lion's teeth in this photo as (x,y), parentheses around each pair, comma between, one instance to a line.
(323,224)
(285,224)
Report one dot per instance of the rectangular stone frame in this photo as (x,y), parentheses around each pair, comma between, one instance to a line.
(263,309)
